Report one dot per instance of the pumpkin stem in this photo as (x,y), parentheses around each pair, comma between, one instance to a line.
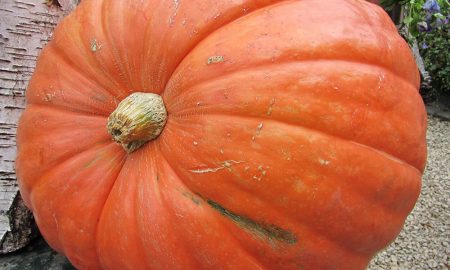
(138,118)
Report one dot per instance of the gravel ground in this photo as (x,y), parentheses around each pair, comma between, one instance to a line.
(424,242)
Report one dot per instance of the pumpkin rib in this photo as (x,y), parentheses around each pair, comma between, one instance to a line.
(163,203)
(37,136)
(63,103)
(117,61)
(385,154)
(314,231)
(236,240)
(375,150)
(209,98)
(122,84)
(150,163)
(144,79)
(59,108)
(61,53)
(57,163)
(68,109)
(67,157)
(127,217)
(309,229)
(64,159)
(45,180)
(179,98)
(372,149)
(94,243)
(97,229)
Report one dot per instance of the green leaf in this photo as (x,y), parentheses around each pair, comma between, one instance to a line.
(408,20)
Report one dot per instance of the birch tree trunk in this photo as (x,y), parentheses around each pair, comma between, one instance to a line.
(25,27)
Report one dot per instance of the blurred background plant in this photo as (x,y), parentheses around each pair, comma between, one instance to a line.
(426,23)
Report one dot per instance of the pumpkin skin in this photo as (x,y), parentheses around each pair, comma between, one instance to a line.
(295,135)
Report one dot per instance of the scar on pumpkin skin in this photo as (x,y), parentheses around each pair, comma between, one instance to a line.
(49,96)
(95,46)
(215,59)
(262,173)
(324,162)
(223,165)
(194,198)
(270,109)
(258,131)
(260,229)
(174,14)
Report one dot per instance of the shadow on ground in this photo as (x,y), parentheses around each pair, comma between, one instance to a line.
(36,256)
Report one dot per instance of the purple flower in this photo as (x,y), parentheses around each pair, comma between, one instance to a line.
(431,6)
(440,22)
(424,46)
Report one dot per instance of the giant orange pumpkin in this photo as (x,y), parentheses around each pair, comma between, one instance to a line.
(294,137)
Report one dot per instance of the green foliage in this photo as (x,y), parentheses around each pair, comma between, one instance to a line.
(421,15)
(435,50)
(427,22)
